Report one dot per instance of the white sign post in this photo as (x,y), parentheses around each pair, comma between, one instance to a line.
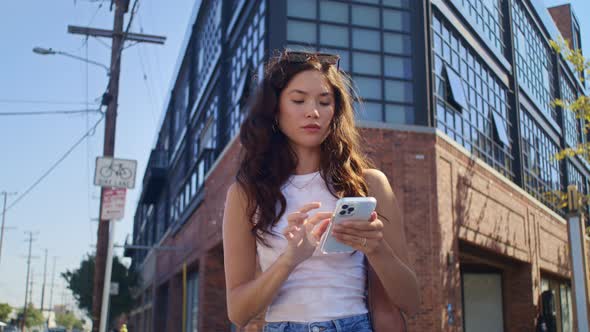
(577,255)
(115,176)
(107,279)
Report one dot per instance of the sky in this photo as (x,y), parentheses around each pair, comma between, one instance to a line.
(61,209)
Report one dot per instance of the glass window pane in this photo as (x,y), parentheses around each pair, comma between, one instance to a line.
(397,43)
(369,111)
(397,3)
(398,67)
(399,114)
(301,31)
(366,16)
(500,127)
(366,39)
(490,5)
(399,91)
(376,2)
(364,63)
(521,44)
(369,88)
(344,57)
(396,20)
(455,84)
(333,35)
(334,11)
(302,8)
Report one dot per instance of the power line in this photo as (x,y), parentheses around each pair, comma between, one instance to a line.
(50,112)
(85,42)
(102,42)
(147,85)
(38,101)
(88,133)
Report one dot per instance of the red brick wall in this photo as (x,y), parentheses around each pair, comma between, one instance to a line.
(506,223)
(212,304)
(408,161)
(563,19)
(448,201)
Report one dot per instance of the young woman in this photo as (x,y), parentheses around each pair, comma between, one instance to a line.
(300,153)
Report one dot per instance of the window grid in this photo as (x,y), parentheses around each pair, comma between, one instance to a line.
(473,127)
(374,51)
(180,102)
(207,48)
(575,177)
(489,18)
(533,61)
(572,130)
(542,173)
(203,151)
(247,58)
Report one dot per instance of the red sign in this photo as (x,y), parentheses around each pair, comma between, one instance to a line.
(113,203)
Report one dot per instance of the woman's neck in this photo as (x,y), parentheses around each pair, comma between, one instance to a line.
(308,160)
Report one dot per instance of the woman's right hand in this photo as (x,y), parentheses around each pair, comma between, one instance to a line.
(303,233)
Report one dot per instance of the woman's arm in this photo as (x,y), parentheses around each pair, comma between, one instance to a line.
(246,294)
(390,259)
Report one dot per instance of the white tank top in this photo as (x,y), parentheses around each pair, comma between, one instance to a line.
(323,287)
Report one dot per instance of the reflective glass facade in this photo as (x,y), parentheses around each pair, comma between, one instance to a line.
(475,127)
(374,41)
(534,61)
(542,173)
(487,18)
(463,87)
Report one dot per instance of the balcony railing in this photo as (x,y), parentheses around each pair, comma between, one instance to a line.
(155,176)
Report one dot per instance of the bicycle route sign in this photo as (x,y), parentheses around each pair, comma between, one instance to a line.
(115,173)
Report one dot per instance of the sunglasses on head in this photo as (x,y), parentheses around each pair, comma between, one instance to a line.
(302,57)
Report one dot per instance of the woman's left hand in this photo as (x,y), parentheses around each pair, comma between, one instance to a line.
(362,235)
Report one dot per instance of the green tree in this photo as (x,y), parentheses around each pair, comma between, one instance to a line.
(581,106)
(78,324)
(580,109)
(80,282)
(34,316)
(68,320)
(5,310)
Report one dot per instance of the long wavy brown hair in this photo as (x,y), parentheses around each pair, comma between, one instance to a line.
(267,159)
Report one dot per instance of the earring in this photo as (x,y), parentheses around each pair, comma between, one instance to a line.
(275,126)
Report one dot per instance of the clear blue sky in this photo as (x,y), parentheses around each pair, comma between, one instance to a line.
(61,207)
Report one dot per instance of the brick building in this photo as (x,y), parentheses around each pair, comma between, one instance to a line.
(456,112)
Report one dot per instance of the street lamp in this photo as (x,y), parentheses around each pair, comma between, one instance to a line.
(50,51)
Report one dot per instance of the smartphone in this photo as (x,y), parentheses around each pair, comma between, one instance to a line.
(347,208)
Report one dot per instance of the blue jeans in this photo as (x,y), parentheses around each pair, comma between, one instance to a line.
(358,323)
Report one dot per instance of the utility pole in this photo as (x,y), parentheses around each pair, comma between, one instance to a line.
(30,240)
(52,284)
(31,287)
(110,99)
(44,279)
(3,218)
